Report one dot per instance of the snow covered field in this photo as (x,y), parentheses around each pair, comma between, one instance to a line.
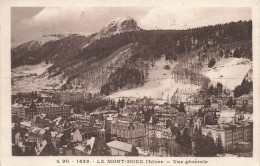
(30,69)
(230,72)
(160,85)
(29,78)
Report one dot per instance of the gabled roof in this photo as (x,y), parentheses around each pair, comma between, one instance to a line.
(38,130)
(59,135)
(120,146)
(40,149)
(91,142)
(54,134)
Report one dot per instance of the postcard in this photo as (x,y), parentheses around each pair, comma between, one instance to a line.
(129,82)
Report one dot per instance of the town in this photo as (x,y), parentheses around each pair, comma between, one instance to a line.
(76,123)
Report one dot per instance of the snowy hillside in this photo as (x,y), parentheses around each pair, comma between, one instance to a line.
(160,85)
(34,78)
(230,72)
(30,69)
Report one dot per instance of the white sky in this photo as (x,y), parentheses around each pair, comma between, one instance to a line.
(29,23)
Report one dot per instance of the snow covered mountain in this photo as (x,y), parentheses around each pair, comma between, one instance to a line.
(117,26)
(41,40)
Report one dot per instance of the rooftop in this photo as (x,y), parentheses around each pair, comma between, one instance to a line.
(120,146)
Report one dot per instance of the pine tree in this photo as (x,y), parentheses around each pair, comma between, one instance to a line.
(219,145)
(200,113)
(230,102)
(211,90)
(207,103)
(197,140)
(219,87)
(211,63)
(122,104)
(186,143)
(181,107)
(210,148)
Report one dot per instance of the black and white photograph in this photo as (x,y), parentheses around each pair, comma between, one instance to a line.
(132,81)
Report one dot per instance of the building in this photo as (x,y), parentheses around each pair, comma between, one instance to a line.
(164,114)
(215,105)
(197,122)
(121,149)
(159,129)
(20,110)
(17,138)
(54,110)
(41,121)
(28,147)
(71,96)
(33,109)
(232,135)
(180,119)
(41,149)
(82,121)
(26,124)
(85,148)
(245,101)
(76,136)
(37,134)
(132,132)
(228,116)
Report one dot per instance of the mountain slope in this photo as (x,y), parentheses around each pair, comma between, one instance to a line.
(37,43)
(97,62)
(160,84)
(230,72)
(33,53)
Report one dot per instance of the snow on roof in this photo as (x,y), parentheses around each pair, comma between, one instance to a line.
(168,130)
(227,116)
(243,143)
(248,117)
(91,142)
(80,147)
(26,123)
(228,113)
(44,95)
(120,146)
(141,152)
(110,118)
(59,135)
(53,133)
(57,120)
(43,115)
(39,149)
(15,105)
(225,120)
(38,130)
